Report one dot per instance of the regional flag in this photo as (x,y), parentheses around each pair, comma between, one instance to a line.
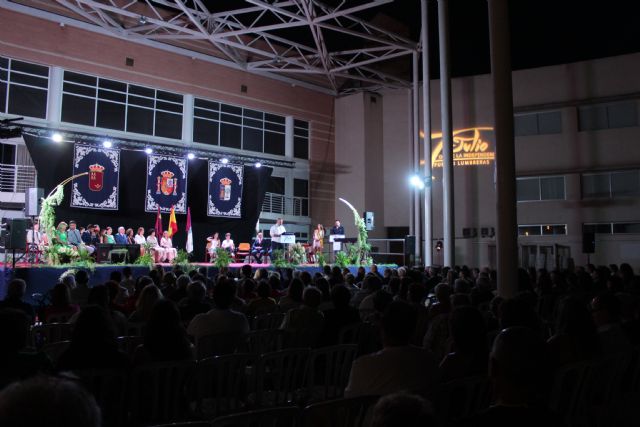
(158,225)
(189,245)
(173,224)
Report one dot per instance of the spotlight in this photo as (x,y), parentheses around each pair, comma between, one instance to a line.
(107,144)
(148,150)
(191,156)
(56,137)
(258,165)
(142,20)
(416,182)
(224,160)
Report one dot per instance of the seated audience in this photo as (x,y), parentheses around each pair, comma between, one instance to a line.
(180,290)
(403,409)
(371,285)
(304,324)
(398,366)
(80,293)
(469,344)
(518,370)
(194,303)
(164,336)
(15,293)
(93,343)
(605,309)
(263,304)
(221,319)
(293,297)
(341,315)
(148,297)
(575,337)
(60,309)
(16,361)
(48,401)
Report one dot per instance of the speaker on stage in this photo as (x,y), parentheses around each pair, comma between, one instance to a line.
(588,242)
(368,220)
(16,233)
(409,249)
(32,201)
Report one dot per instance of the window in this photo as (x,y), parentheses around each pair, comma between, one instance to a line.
(606,185)
(276,185)
(300,139)
(626,228)
(301,197)
(608,116)
(23,88)
(110,104)
(237,127)
(542,230)
(597,228)
(540,188)
(543,123)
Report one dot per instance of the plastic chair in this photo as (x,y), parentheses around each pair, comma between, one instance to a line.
(49,333)
(159,392)
(462,398)
(328,371)
(243,251)
(263,341)
(218,344)
(267,321)
(221,385)
(274,417)
(352,412)
(567,397)
(280,377)
(109,387)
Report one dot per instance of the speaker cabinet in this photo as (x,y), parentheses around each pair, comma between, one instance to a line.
(588,242)
(16,233)
(32,201)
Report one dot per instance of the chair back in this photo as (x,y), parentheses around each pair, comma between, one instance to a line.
(350,334)
(244,247)
(218,344)
(135,329)
(267,321)
(263,341)
(351,412)
(568,391)
(221,383)
(109,387)
(50,333)
(463,397)
(62,317)
(128,345)
(280,376)
(328,371)
(55,350)
(274,417)
(159,392)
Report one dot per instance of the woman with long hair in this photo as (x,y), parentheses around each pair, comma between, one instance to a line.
(318,240)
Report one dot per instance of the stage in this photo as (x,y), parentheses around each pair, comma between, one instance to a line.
(41,278)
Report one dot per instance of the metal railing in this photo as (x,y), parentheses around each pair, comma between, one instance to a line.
(285,205)
(17,178)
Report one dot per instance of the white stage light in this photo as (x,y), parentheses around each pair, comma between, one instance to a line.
(224,161)
(416,182)
(191,156)
(258,165)
(107,144)
(148,150)
(56,137)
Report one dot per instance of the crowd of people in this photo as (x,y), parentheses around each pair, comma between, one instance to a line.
(426,327)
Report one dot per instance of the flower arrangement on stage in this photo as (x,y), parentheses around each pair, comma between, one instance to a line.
(297,254)
(61,254)
(359,252)
(182,259)
(223,258)
(147,257)
(278,260)
(48,210)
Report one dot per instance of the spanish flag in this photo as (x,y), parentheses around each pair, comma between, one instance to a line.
(173,224)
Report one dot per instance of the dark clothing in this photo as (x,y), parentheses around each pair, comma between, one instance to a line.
(92,356)
(509,416)
(189,309)
(337,230)
(86,238)
(95,240)
(22,365)
(19,305)
(258,250)
(121,239)
(334,320)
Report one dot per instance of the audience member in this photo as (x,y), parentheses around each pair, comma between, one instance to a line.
(60,309)
(469,354)
(14,298)
(80,293)
(293,298)
(605,309)
(341,315)
(194,303)
(148,297)
(575,337)
(403,409)
(263,304)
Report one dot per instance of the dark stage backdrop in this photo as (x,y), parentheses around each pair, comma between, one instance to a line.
(54,163)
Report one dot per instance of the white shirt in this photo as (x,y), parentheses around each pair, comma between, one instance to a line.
(166,242)
(276,231)
(153,241)
(227,244)
(34,237)
(140,240)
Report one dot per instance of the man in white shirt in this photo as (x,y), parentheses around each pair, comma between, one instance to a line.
(275,232)
(228,244)
(398,366)
(222,319)
(34,236)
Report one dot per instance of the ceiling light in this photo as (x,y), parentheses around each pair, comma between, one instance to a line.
(148,150)
(224,160)
(142,20)
(107,144)
(191,156)
(56,137)
(258,165)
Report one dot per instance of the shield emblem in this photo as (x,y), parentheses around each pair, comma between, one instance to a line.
(225,189)
(96,177)
(167,184)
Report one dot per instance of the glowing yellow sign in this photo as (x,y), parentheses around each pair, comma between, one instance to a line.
(469,148)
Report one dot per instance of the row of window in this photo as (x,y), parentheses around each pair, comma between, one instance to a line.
(110,104)
(542,230)
(594,186)
(590,117)
(612,228)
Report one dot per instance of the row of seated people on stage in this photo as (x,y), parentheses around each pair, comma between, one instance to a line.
(90,237)
(259,249)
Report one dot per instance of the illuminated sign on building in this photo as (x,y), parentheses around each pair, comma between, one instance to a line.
(470,148)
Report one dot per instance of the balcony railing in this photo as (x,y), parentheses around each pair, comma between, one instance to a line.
(17,178)
(285,205)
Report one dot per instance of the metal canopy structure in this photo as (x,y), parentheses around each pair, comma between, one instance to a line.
(305,42)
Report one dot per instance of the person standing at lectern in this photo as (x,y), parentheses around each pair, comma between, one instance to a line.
(275,232)
(337,228)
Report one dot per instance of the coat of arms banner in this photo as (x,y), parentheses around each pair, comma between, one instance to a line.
(99,188)
(166,184)
(225,190)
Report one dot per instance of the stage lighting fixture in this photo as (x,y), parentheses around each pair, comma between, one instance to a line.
(191,156)
(107,144)
(148,150)
(224,160)
(258,165)
(56,137)
(416,182)
(142,20)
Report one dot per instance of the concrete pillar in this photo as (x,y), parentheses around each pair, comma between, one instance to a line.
(448,212)
(416,154)
(506,236)
(288,136)
(54,100)
(426,127)
(187,118)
